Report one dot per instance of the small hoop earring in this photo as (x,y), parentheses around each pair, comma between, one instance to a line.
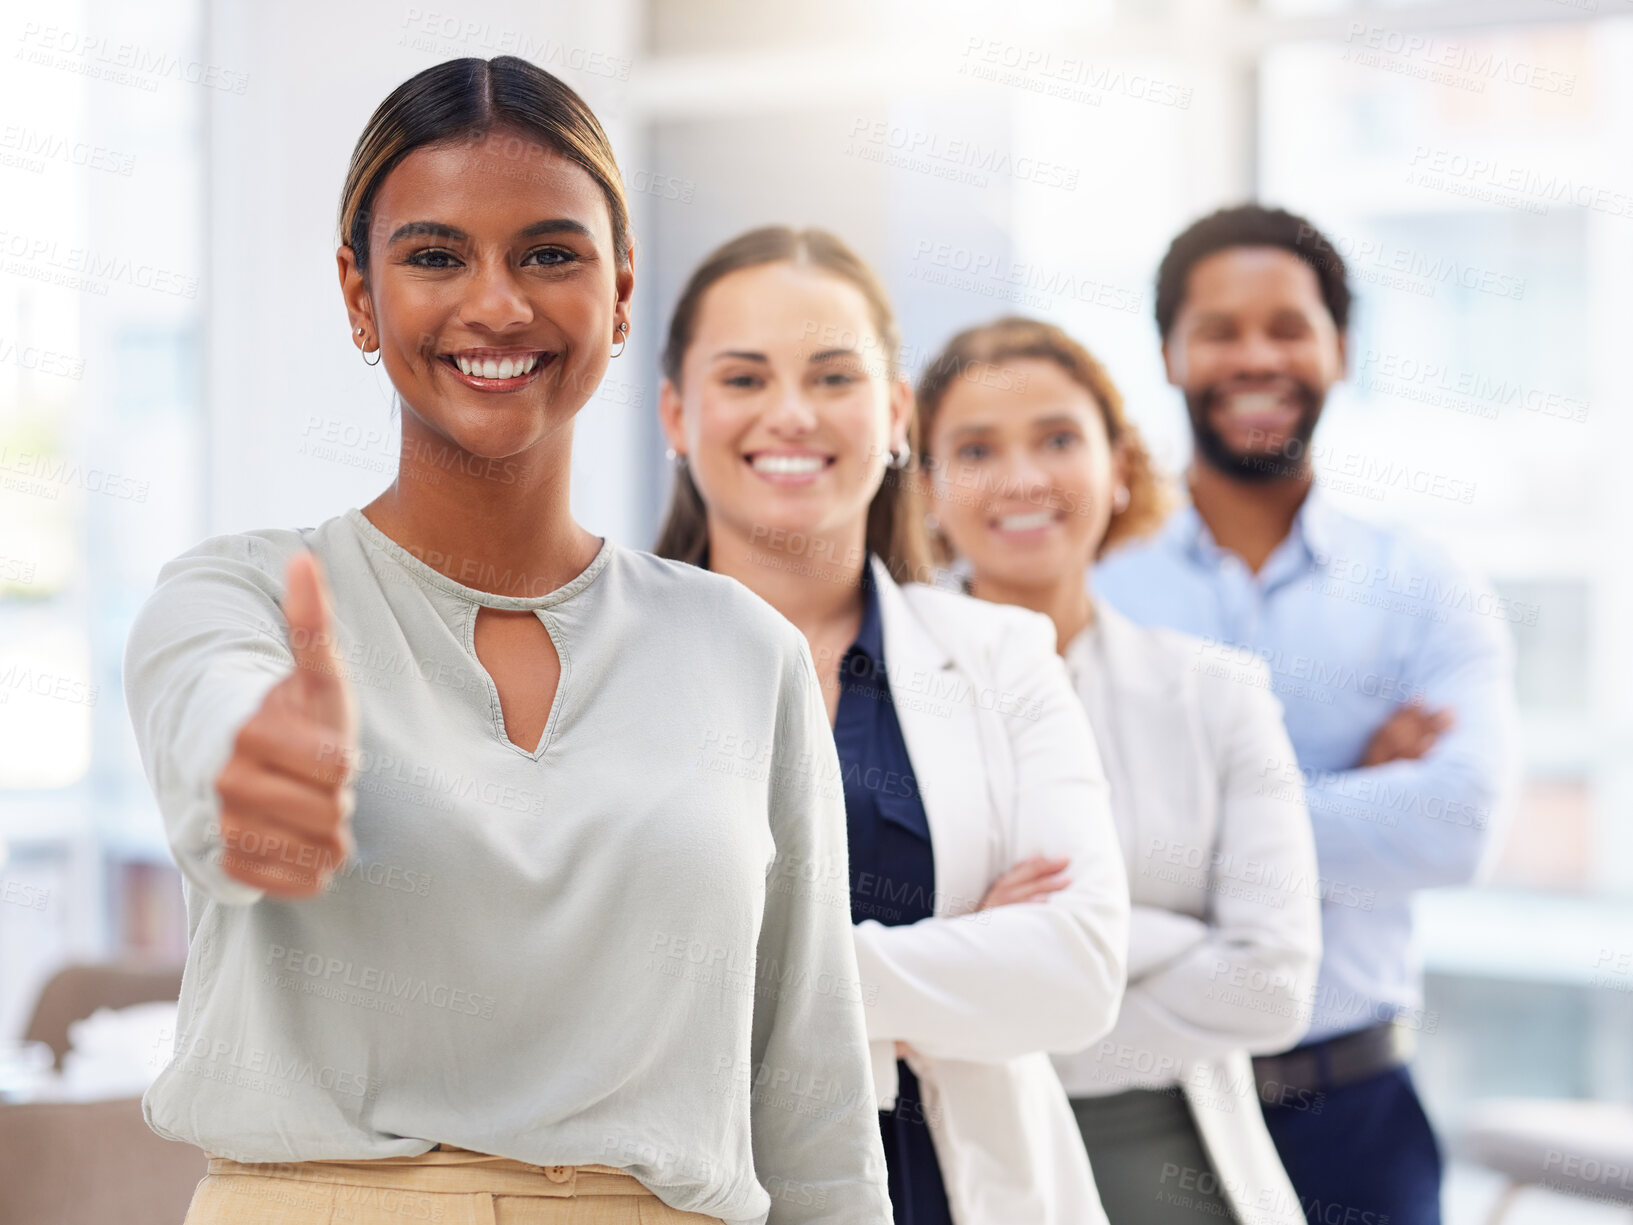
(1120,500)
(623,339)
(376,360)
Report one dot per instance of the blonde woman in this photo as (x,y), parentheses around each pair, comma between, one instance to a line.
(1033,471)
(989,900)
(479,929)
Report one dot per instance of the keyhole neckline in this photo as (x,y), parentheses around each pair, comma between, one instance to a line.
(425,573)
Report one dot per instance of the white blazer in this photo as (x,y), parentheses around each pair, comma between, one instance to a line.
(1226,934)
(1007,768)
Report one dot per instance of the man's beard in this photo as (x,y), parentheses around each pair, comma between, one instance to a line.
(1291,459)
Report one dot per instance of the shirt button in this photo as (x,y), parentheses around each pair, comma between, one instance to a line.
(558,1173)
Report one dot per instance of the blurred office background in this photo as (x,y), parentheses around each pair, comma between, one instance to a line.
(175,361)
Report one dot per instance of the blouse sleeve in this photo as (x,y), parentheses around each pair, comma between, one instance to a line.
(206,647)
(826,1163)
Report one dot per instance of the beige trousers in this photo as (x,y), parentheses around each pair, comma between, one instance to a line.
(446,1186)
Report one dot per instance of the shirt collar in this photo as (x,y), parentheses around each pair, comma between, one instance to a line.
(1311,538)
(1319,525)
(870,638)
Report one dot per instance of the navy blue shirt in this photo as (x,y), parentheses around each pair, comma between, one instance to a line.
(893,878)
(892,870)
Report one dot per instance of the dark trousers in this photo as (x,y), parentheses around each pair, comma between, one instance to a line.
(1362,1154)
(917,1195)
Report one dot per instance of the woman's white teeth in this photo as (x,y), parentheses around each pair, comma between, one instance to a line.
(505,368)
(789,465)
(1026,523)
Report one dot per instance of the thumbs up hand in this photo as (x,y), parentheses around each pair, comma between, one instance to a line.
(286,791)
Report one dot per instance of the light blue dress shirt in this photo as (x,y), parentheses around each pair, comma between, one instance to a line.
(1354,620)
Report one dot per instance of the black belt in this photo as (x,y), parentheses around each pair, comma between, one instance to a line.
(1333,1062)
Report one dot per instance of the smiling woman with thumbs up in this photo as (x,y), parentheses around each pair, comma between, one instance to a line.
(514,859)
